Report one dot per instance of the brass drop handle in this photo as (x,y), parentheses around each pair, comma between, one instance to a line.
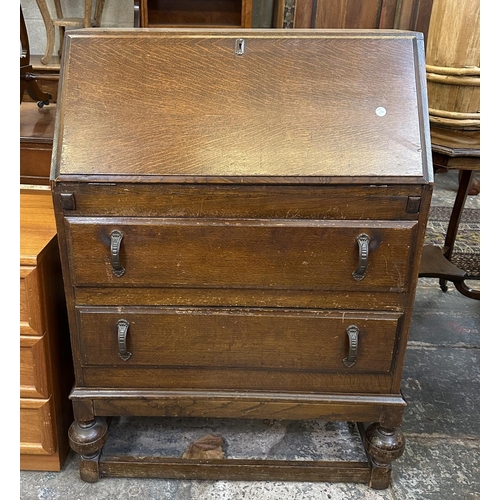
(116,240)
(363,243)
(122,326)
(353,335)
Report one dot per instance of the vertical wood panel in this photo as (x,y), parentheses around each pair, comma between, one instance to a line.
(388,11)
(354,14)
(304,14)
(330,14)
(362,14)
(246,14)
(423,17)
(406,14)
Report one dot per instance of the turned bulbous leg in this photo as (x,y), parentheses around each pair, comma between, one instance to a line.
(87,439)
(383,446)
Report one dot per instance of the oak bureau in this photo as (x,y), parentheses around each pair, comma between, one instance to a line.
(241,217)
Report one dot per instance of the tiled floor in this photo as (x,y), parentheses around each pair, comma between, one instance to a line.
(441,425)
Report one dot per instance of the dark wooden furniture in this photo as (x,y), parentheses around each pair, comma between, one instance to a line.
(45,357)
(453,76)
(354,14)
(192,13)
(29,83)
(248,245)
(458,150)
(36,137)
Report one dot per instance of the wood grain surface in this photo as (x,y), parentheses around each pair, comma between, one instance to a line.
(241,253)
(239,184)
(271,112)
(37,222)
(241,338)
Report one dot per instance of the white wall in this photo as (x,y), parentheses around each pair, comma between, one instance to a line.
(118,13)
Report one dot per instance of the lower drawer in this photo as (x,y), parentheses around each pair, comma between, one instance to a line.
(213,339)
(30,301)
(37,427)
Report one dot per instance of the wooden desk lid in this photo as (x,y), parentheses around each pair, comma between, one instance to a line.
(183,105)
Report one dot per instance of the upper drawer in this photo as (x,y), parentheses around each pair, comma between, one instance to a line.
(276,254)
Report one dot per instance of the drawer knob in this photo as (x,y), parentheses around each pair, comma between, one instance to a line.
(353,335)
(116,240)
(363,243)
(123,325)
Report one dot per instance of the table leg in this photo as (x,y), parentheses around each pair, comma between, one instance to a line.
(451,234)
(456,213)
(436,261)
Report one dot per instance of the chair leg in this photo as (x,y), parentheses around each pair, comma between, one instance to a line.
(59,14)
(99,6)
(87,16)
(49,30)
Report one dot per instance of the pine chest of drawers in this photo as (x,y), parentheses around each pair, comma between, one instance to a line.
(241,216)
(46,369)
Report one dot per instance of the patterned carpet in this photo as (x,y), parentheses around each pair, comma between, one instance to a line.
(466,253)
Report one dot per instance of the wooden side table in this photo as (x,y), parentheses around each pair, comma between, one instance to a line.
(452,149)
(453,86)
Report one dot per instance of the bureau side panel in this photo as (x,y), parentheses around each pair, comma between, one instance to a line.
(415,256)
